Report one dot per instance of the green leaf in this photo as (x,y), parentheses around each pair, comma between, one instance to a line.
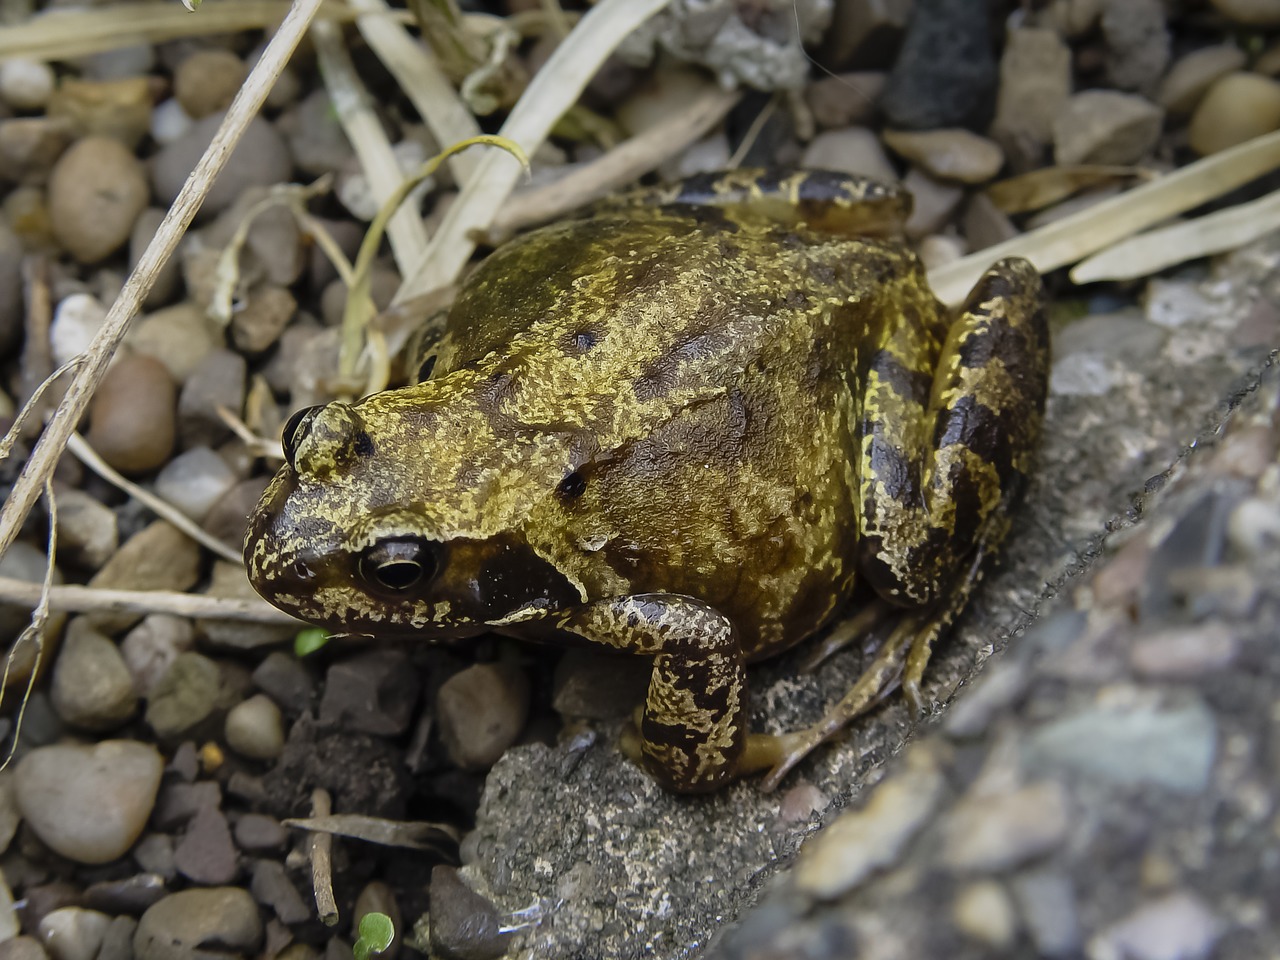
(376,933)
(309,641)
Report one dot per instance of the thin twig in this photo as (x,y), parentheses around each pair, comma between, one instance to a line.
(37,350)
(322,862)
(34,631)
(381,168)
(78,599)
(157,505)
(621,165)
(555,88)
(43,459)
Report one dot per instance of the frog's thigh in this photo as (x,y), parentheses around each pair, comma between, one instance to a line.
(692,731)
(935,483)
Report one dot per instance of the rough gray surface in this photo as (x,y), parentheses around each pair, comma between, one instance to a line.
(624,870)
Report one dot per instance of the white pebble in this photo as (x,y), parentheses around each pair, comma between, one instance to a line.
(75,323)
(169,122)
(26,84)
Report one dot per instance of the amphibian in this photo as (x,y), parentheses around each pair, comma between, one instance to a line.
(696,424)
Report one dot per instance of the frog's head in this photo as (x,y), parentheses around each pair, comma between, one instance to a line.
(405,514)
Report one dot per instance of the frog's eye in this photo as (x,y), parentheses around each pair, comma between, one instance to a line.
(397,564)
(294,429)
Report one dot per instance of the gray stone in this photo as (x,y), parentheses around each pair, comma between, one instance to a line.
(372,693)
(218,380)
(185,696)
(194,481)
(260,159)
(88,533)
(205,854)
(158,557)
(254,729)
(287,680)
(1179,926)
(272,888)
(150,648)
(92,688)
(257,832)
(990,833)
(481,711)
(217,923)
(73,933)
(117,943)
(1167,746)
(89,803)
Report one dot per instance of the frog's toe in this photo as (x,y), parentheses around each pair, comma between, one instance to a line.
(861,626)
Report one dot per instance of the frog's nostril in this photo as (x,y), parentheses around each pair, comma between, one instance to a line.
(302,571)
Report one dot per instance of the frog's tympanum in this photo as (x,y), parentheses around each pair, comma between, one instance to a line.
(696,424)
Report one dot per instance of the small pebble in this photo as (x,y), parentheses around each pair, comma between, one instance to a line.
(154,853)
(26,84)
(1138,43)
(229,519)
(1184,652)
(259,324)
(169,122)
(92,688)
(934,203)
(481,711)
(1047,903)
(185,696)
(844,100)
(115,109)
(259,833)
(183,924)
(372,693)
(73,933)
(88,533)
(988,833)
(180,337)
(948,154)
(127,60)
(89,803)
(117,944)
(132,894)
(1185,84)
(260,159)
(230,580)
(1238,107)
(207,81)
(217,381)
(10,925)
(96,191)
(194,481)
(1035,83)
(151,647)
(136,390)
(983,911)
(1254,13)
(20,948)
(287,680)
(1105,126)
(10,816)
(1254,526)
(166,282)
(1178,927)
(463,923)
(855,150)
(30,147)
(157,557)
(76,321)
(866,839)
(205,854)
(254,729)
(1171,747)
(315,135)
(272,888)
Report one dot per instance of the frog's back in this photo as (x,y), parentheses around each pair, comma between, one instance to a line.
(711,363)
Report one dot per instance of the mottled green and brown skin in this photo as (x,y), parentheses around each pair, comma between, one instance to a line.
(686,425)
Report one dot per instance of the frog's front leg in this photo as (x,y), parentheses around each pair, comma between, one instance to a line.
(693,727)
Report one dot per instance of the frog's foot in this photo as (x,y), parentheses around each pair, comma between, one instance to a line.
(851,630)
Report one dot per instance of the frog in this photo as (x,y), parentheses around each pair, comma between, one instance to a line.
(697,423)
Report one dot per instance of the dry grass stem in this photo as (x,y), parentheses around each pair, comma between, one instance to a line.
(421,79)
(410,834)
(620,166)
(34,630)
(160,507)
(72,33)
(1149,253)
(1072,238)
(78,599)
(32,405)
(364,130)
(248,101)
(321,850)
(553,90)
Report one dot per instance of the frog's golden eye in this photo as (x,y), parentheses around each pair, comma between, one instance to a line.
(397,564)
(294,429)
